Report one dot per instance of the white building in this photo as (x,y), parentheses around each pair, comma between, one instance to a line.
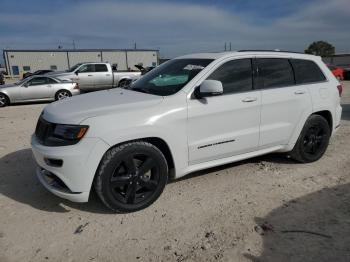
(18,62)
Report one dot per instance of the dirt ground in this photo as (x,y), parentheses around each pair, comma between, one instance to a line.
(263,209)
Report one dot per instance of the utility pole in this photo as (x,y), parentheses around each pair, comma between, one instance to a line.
(73,44)
(230,47)
(225,46)
(135,45)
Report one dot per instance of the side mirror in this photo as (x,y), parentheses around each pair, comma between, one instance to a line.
(209,88)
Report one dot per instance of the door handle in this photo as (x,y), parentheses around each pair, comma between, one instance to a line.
(249,99)
(89,75)
(107,74)
(299,92)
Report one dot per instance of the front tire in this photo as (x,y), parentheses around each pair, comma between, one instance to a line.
(131,176)
(4,100)
(313,140)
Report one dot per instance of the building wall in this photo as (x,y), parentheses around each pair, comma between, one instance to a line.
(80,57)
(115,57)
(339,60)
(62,60)
(37,60)
(144,58)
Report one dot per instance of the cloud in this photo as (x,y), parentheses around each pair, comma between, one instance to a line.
(176,28)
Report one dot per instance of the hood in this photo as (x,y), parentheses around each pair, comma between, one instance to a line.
(75,109)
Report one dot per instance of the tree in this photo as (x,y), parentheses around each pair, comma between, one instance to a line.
(320,48)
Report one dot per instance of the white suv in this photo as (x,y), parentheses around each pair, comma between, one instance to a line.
(193,112)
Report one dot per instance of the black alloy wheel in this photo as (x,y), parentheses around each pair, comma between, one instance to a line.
(131,176)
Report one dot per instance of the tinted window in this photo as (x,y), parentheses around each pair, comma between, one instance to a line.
(235,76)
(274,72)
(101,68)
(37,81)
(88,68)
(307,71)
(51,81)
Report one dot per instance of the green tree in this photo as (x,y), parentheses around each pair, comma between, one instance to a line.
(320,48)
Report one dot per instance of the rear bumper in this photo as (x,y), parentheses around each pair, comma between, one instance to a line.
(336,124)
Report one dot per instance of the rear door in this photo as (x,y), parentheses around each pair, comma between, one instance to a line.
(103,78)
(36,88)
(284,104)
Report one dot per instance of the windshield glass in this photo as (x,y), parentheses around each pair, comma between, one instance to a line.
(74,67)
(170,77)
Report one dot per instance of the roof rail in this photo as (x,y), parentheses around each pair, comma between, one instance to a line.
(274,50)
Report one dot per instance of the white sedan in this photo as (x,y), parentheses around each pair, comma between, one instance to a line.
(37,88)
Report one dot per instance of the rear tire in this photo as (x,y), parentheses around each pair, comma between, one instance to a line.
(4,100)
(131,176)
(313,140)
(62,94)
(124,83)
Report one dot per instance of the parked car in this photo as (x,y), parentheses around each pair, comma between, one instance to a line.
(338,72)
(190,113)
(97,76)
(37,88)
(38,72)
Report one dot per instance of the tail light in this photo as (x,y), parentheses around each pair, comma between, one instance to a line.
(340,89)
(76,86)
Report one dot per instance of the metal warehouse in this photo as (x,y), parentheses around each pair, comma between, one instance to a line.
(18,62)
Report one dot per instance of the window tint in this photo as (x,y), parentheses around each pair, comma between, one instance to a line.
(51,81)
(274,72)
(307,71)
(88,68)
(37,81)
(235,76)
(101,68)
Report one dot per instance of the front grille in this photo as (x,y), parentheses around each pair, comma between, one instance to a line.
(43,130)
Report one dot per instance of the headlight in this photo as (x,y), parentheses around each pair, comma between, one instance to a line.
(69,132)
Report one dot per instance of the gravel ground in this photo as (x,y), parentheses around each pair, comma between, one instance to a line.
(263,209)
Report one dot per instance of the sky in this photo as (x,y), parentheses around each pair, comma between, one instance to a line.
(174,27)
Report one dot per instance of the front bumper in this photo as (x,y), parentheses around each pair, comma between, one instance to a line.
(79,165)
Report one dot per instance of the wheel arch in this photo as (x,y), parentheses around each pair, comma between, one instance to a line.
(161,145)
(327,115)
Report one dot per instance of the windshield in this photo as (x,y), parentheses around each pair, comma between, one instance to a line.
(74,67)
(170,77)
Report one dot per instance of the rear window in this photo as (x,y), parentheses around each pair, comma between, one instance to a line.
(275,72)
(101,68)
(307,71)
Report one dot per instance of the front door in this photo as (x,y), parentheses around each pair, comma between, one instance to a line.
(86,77)
(36,88)
(228,124)
(103,78)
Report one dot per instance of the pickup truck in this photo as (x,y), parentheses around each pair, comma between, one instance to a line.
(96,76)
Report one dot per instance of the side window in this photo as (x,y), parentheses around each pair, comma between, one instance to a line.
(37,81)
(235,76)
(307,71)
(51,81)
(101,68)
(87,68)
(274,72)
